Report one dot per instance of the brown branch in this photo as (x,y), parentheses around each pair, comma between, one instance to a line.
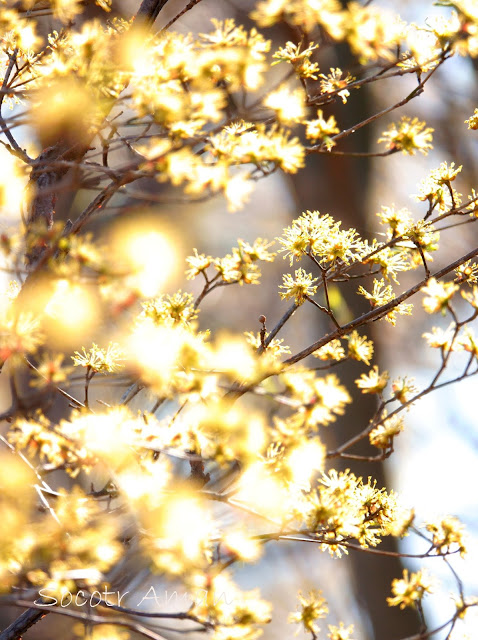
(26,620)
(187,8)
(93,208)
(287,315)
(84,617)
(326,310)
(376,313)
(149,11)
(45,177)
(14,148)
(61,391)
(322,98)
(306,536)
(353,154)
(374,423)
(416,92)
(238,390)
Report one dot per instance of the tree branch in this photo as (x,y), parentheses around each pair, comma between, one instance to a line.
(26,620)
(378,312)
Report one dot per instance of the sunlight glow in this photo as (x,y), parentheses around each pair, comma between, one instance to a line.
(263,492)
(150,255)
(233,355)
(72,309)
(186,525)
(137,54)
(156,349)
(305,459)
(12,185)
(147,483)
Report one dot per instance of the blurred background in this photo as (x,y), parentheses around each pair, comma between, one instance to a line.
(435,464)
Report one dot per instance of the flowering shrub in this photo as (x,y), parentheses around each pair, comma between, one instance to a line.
(105,103)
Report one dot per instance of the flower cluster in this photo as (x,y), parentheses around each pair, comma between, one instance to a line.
(189,419)
(100,360)
(344,507)
(322,236)
(381,295)
(437,189)
(300,60)
(76,545)
(448,534)
(240,266)
(409,590)
(408,136)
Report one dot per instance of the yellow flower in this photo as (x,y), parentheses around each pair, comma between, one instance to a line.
(403,389)
(446,174)
(437,188)
(467,272)
(323,237)
(242,545)
(100,360)
(246,145)
(234,610)
(333,350)
(103,632)
(300,60)
(372,382)
(295,243)
(237,190)
(256,251)
(382,436)
(438,295)
(410,589)
(301,13)
(448,534)
(341,632)
(50,371)
(198,263)
(19,333)
(275,347)
(238,267)
(372,32)
(312,607)
(170,310)
(322,129)
(288,153)
(288,105)
(359,348)
(471,297)
(391,260)
(408,136)
(382,294)
(397,219)
(469,342)
(335,81)
(328,399)
(300,287)
(440,338)
(472,122)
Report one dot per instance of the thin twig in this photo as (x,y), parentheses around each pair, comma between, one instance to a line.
(190,5)
(377,312)
(84,617)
